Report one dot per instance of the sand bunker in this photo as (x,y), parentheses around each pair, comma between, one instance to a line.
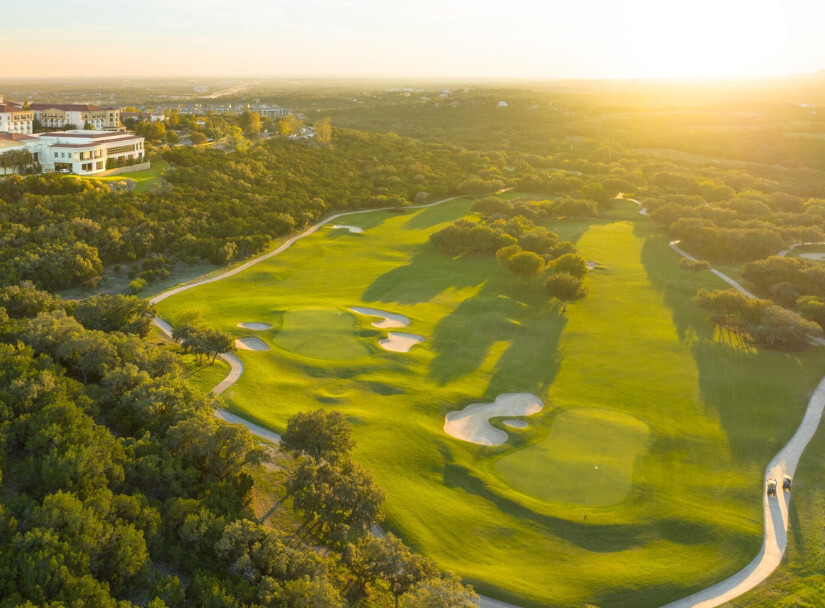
(390,319)
(591,264)
(516,424)
(251,344)
(473,422)
(345,227)
(819,257)
(255,326)
(400,343)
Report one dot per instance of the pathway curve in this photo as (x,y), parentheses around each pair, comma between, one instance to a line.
(775,510)
(784,463)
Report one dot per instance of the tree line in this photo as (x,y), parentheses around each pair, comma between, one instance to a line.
(507,231)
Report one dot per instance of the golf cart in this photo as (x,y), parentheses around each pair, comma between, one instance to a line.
(771,487)
(786,483)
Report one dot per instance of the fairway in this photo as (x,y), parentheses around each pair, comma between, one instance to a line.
(631,379)
(586,460)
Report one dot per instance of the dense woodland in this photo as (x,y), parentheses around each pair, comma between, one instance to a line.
(120,487)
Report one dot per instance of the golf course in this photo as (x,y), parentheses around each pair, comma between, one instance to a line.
(609,454)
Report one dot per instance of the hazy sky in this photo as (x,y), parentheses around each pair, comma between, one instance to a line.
(449,38)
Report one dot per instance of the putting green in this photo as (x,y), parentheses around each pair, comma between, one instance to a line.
(320,333)
(586,460)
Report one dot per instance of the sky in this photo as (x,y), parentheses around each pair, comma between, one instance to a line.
(544,39)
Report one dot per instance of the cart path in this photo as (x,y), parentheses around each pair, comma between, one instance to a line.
(775,510)
(235,371)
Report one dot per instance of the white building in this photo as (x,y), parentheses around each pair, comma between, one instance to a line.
(15,119)
(147,116)
(58,116)
(85,152)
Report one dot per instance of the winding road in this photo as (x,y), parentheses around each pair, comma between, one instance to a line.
(775,509)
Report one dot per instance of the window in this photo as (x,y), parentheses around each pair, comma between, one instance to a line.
(99,165)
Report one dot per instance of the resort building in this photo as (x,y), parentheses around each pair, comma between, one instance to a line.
(15,119)
(86,152)
(58,116)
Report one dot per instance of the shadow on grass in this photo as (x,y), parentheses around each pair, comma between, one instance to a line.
(428,274)
(596,538)
(530,324)
(748,389)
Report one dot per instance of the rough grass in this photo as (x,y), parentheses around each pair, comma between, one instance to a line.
(637,345)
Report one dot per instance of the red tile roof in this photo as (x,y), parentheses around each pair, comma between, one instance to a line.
(6,136)
(9,107)
(67,107)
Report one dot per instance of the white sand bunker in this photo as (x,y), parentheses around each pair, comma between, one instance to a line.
(345,227)
(255,326)
(400,343)
(516,424)
(390,319)
(251,344)
(591,264)
(473,422)
(819,257)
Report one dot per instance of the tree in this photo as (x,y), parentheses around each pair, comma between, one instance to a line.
(565,288)
(813,309)
(108,313)
(571,263)
(197,138)
(250,123)
(319,434)
(526,265)
(439,592)
(323,131)
(387,559)
(341,498)
(779,327)
(289,124)
(694,265)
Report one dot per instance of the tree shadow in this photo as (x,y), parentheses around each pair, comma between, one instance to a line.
(735,383)
(429,273)
(530,324)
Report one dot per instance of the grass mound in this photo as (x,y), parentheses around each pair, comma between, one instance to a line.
(586,460)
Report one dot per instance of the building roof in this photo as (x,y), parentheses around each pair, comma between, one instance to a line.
(6,136)
(67,107)
(10,107)
(88,134)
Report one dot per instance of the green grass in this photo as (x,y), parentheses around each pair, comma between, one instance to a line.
(203,374)
(320,333)
(636,349)
(145,180)
(587,460)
